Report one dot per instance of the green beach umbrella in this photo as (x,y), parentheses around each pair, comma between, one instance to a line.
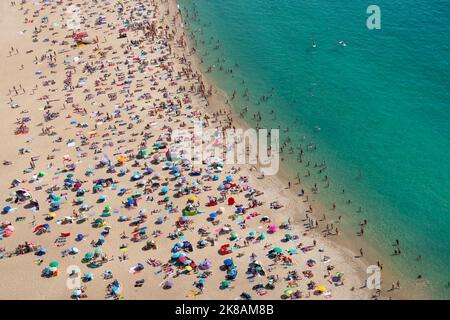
(142,153)
(54,264)
(41,174)
(277,250)
(98,220)
(107,208)
(89,256)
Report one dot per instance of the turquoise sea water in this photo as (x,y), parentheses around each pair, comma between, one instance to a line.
(382,104)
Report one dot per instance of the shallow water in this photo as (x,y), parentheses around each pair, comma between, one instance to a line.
(381,103)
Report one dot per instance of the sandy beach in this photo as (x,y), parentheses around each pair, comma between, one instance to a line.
(95,206)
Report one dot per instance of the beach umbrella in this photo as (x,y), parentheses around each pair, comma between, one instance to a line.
(175,256)
(80,199)
(288,292)
(98,251)
(273,228)
(5,223)
(142,153)
(107,208)
(228,262)
(7,233)
(76,293)
(6,209)
(53,269)
(89,275)
(188,268)
(89,256)
(41,174)
(225,284)
(42,250)
(252,233)
(75,250)
(54,264)
(149,170)
(213,215)
(321,288)
(56,204)
(98,220)
(277,250)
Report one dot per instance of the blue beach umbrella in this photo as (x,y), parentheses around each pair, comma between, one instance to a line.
(56,204)
(228,262)
(213,215)
(165,190)
(6,209)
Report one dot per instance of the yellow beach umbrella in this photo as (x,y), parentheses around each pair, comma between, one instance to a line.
(321,288)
